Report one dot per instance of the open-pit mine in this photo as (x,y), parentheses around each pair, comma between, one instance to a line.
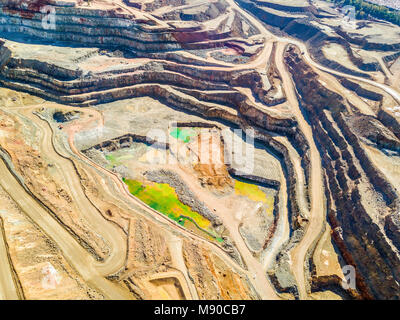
(198,149)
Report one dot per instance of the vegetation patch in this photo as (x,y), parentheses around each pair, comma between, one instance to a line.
(365,8)
(116,158)
(183,134)
(163,198)
(254,193)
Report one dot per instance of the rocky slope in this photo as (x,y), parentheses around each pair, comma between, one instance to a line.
(360,228)
(80,91)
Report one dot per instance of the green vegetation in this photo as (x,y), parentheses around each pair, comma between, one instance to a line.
(183,134)
(364,8)
(116,159)
(163,198)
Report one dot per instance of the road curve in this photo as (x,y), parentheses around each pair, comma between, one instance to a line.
(8,288)
(112,234)
(394,93)
(317,213)
(77,256)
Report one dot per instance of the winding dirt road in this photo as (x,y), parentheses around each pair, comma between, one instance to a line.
(93,272)
(75,254)
(265,291)
(317,212)
(8,288)
(113,235)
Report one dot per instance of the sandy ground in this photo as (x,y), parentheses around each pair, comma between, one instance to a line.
(79,258)
(8,287)
(325,258)
(255,269)
(110,232)
(159,217)
(93,271)
(387,164)
(317,212)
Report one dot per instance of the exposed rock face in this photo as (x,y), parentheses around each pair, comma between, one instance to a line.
(266,86)
(390,122)
(50,192)
(126,141)
(59,116)
(389,59)
(204,268)
(202,12)
(262,181)
(147,247)
(316,47)
(362,92)
(303,22)
(203,61)
(359,234)
(273,17)
(107,28)
(21,234)
(296,7)
(392,228)
(372,129)
(5,54)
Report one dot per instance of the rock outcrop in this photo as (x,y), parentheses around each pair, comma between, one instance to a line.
(359,230)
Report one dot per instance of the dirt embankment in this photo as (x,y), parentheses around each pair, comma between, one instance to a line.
(34,169)
(358,233)
(5,54)
(154,256)
(115,26)
(362,92)
(212,276)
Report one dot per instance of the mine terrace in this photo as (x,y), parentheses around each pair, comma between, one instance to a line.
(91,92)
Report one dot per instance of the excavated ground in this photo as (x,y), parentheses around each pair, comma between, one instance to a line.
(124,175)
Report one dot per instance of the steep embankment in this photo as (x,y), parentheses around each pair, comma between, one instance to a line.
(359,227)
(105,28)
